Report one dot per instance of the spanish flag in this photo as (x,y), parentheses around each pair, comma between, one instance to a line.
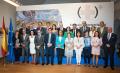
(4,46)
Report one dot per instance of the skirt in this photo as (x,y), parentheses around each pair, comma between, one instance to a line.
(32,48)
(68,53)
(95,51)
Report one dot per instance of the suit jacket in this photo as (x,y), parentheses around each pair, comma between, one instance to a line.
(111,41)
(27,31)
(39,41)
(104,31)
(25,41)
(14,40)
(43,30)
(62,42)
(52,41)
(82,31)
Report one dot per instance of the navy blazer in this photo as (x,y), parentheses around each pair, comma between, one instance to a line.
(82,32)
(111,41)
(53,39)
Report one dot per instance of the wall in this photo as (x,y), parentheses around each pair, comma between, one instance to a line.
(117,20)
(69,11)
(7,11)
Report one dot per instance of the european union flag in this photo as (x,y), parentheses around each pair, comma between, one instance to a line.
(10,43)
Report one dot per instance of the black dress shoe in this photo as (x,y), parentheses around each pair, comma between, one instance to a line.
(96,66)
(36,63)
(112,68)
(23,62)
(105,66)
(42,63)
(47,63)
(88,65)
(27,61)
(52,64)
(93,65)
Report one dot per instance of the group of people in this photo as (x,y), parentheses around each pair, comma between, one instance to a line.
(51,41)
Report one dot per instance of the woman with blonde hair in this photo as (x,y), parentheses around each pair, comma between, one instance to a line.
(69,45)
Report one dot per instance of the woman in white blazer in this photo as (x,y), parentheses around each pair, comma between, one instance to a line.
(78,46)
(96,43)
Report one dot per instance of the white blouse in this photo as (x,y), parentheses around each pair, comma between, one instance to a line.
(79,42)
(68,43)
(91,33)
(96,41)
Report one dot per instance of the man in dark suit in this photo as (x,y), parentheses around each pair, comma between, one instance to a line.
(109,42)
(84,28)
(24,27)
(41,28)
(39,44)
(75,30)
(49,41)
(25,44)
(102,30)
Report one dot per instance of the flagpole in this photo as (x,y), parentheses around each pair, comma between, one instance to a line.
(4,61)
(4,64)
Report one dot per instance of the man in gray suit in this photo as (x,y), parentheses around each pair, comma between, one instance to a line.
(39,44)
(25,44)
(84,28)
(102,30)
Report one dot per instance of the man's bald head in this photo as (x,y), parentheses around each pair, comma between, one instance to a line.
(109,29)
(84,23)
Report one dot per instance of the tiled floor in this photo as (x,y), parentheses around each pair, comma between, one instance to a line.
(29,68)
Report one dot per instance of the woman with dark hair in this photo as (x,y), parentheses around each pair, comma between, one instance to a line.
(96,43)
(60,41)
(32,46)
(17,46)
(68,30)
(78,46)
(54,29)
(92,31)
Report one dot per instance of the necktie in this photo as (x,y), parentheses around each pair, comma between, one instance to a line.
(49,38)
(24,37)
(109,36)
(75,33)
(39,35)
(84,28)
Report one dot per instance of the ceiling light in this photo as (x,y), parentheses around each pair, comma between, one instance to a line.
(12,3)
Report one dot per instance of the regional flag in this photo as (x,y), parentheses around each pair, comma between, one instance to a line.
(4,46)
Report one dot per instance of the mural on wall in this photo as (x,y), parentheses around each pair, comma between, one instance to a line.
(38,16)
(71,13)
